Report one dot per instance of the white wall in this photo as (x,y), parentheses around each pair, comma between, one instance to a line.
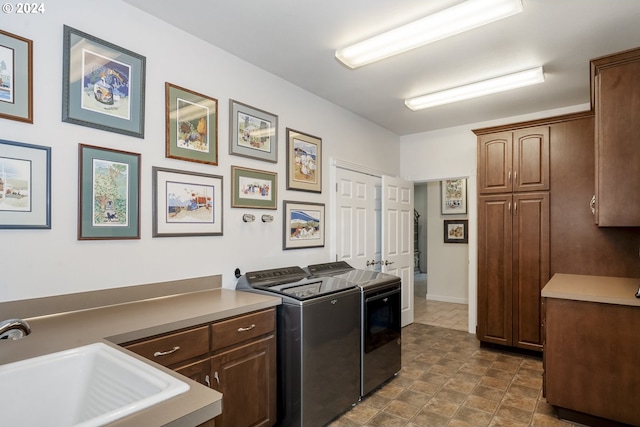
(36,263)
(451,153)
(448,275)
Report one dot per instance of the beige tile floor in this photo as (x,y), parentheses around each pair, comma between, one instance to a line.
(447,379)
(437,313)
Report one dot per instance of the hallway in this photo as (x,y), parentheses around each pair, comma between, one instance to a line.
(437,313)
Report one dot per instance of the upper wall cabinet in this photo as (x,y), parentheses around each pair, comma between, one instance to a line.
(616,100)
(514,161)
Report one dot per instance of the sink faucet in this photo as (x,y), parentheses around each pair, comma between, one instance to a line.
(14,329)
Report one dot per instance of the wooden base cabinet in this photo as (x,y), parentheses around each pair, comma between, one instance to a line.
(513,266)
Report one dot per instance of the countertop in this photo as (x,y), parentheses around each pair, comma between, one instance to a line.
(600,289)
(120,323)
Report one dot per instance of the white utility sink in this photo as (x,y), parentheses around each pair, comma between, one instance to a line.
(86,386)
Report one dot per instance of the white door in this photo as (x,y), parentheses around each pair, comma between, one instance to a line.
(358,219)
(397,238)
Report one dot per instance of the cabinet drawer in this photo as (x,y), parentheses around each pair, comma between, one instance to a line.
(174,348)
(236,330)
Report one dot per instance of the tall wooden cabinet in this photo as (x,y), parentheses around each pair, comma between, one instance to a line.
(616,101)
(513,235)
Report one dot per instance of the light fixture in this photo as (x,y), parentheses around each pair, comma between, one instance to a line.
(474,90)
(448,22)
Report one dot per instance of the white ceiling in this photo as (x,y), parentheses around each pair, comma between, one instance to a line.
(297,39)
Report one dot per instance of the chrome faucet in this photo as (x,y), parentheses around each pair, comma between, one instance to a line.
(14,329)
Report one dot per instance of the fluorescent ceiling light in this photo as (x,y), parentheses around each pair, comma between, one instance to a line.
(448,22)
(474,90)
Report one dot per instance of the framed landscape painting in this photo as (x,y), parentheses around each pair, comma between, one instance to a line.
(252,188)
(109,194)
(103,85)
(25,185)
(191,125)
(303,225)
(186,203)
(254,132)
(16,77)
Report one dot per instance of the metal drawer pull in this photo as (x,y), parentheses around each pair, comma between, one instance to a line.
(592,205)
(164,353)
(246,329)
(217,378)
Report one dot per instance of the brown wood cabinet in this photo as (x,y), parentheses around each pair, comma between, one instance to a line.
(513,266)
(616,101)
(514,161)
(591,359)
(243,367)
(236,356)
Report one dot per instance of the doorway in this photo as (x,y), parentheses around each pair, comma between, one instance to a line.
(441,279)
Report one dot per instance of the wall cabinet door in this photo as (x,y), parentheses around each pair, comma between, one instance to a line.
(514,161)
(617,101)
(246,377)
(513,265)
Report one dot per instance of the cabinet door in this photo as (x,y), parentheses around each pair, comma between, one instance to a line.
(531,159)
(617,148)
(530,266)
(199,371)
(495,163)
(494,269)
(246,377)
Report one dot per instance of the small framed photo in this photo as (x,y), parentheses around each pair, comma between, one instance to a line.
(109,194)
(191,125)
(25,185)
(253,132)
(453,196)
(16,77)
(304,162)
(186,203)
(456,231)
(252,188)
(303,225)
(103,84)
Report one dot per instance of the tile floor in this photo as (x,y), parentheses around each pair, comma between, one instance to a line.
(447,379)
(438,313)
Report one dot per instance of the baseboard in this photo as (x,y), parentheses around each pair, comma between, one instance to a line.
(445,298)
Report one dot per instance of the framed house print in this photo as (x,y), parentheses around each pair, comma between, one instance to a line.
(191,125)
(304,162)
(25,185)
(186,203)
(303,225)
(253,132)
(456,231)
(252,188)
(103,85)
(109,194)
(453,195)
(16,77)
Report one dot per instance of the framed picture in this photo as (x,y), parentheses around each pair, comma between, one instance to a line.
(251,188)
(303,225)
(103,85)
(453,196)
(253,132)
(192,125)
(109,194)
(186,203)
(456,231)
(16,77)
(25,185)
(304,162)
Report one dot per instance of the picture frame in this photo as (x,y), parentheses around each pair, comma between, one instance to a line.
(103,85)
(25,186)
(191,125)
(303,225)
(456,231)
(304,162)
(252,188)
(16,77)
(109,194)
(186,203)
(253,132)
(453,197)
